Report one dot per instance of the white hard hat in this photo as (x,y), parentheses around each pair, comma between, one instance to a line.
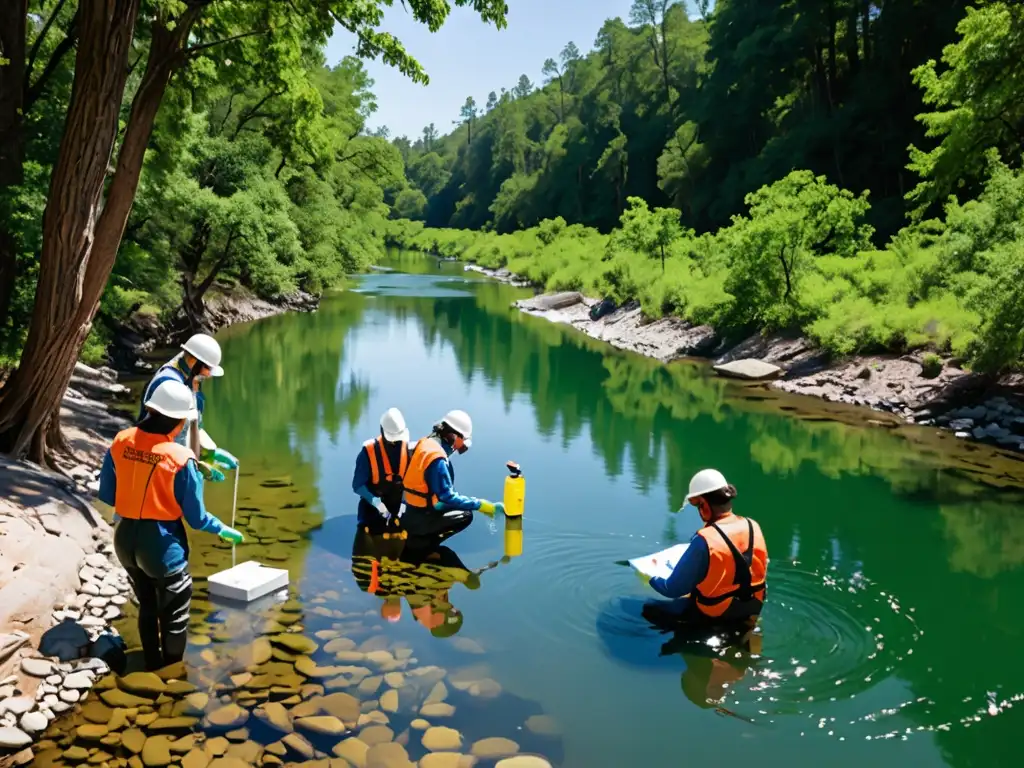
(206,350)
(460,422)
(706,481)
(175,400)
(392,424)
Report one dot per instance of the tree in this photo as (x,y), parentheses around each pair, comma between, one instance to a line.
(492,101)
(976,100)
(430,136)
(410,204)
(523,88)
(649,232)
(653,16)
(467,116)
(85,216)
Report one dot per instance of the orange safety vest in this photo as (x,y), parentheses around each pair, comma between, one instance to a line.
(145,465)
(417,494)
(734,586)
(386,484)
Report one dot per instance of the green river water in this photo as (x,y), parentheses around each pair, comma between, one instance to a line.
(893,628)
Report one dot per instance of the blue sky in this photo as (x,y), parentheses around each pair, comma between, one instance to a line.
(470,58)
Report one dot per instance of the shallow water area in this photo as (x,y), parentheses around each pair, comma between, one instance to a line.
(889,636)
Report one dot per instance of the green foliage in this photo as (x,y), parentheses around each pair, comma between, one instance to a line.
(931,365)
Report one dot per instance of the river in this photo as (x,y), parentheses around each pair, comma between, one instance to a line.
(892,627)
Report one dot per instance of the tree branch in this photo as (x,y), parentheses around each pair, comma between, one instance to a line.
(253,112)
(33,92)
(39,40)
(227,112)
(195,49)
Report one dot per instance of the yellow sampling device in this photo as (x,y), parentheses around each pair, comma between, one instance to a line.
(515,491)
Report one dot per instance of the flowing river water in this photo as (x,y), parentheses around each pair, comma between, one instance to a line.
(892,632)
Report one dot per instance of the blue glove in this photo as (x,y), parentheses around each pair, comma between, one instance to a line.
(231,535)
(225,459)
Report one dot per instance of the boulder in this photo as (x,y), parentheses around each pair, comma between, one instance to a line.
(749,369)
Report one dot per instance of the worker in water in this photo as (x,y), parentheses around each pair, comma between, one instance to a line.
(380,467)
(153,483)
(199,359)
(432,509)
(721,575)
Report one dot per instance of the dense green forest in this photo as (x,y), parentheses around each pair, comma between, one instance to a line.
(850,168)
(149,150)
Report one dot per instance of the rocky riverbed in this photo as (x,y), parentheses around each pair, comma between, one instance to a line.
(970,406)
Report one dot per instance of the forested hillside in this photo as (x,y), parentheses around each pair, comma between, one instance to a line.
(848,168)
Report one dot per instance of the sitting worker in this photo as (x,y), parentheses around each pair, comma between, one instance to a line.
(380,467)
(721,575)
(153,483)
(199,359)
(432,509)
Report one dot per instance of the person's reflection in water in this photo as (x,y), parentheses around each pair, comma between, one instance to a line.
(417,570)
(717,656)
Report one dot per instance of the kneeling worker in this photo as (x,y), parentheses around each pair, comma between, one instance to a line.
(380,468)
(721,575)
(153,483)
(433,509)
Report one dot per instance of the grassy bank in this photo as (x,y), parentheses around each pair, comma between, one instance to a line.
(800,257)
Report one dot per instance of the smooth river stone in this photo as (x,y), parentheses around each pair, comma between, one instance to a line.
(295,642)
(380,657)
(389,701)
(275,715)
(91,732)
(325,725)
(376,734)
(370,685)
(394,679)
(143,684)
(523,761)
(115,697)
(376,717)
(352,750)
(441,739)
(437,694)
(37,667)
(437,709)
(78,681)
(34,722)
(14,738)
(494,747)
(447,760)
(391,755)
(342,706)
(297,743)
(543,725)
(419,724)
(228,716)
(156,752)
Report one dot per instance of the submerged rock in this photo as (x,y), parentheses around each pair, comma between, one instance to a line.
(523,761)
(142,683)
(447,760)
(326,725)
(494,747)
(543,725)
(376,734)
(228,716)
(441,739)
(389,701)
(391,755)
(437,709)
(353,750)
(295,642)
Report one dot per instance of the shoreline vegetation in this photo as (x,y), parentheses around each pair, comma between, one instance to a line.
(918,385)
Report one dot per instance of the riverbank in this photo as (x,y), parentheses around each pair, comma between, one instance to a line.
(919,388)
(61,587)
(144,332)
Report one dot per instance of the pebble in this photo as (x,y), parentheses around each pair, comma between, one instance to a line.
(494,747)
(389,701)
(390,755)
(352,750)
(70,696)
(37,667)
(394,679)
(543,725)
(108,590)
(376,734)
(523,761)
(437,709)
(156,752)
(97,561)
(12,738)
(50,700)
(111,612)
(143,684)
(90,589)
(78,681)
(441,739)
(329,726)
(6,691)
(229,716)
(86,574)
(34,722)
(18,705)
(97,602)
(45,690)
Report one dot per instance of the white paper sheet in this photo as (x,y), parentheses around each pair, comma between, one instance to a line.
(659,563)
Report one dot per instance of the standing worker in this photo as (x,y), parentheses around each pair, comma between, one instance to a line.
(433,509)
(153,483)
(199,359)
(380,467)
(721,575)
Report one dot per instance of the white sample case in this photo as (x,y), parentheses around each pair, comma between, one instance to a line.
(247,582)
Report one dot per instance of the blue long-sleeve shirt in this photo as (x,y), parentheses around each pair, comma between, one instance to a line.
(162,539)
(440,477)
(687,573)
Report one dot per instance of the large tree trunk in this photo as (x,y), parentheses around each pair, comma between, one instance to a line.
(79,247)
(12,93)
